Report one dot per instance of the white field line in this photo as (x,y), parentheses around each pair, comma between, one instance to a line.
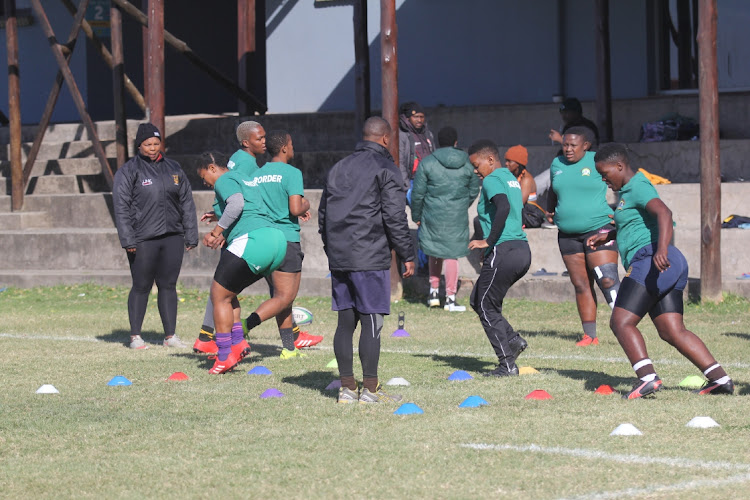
(25,336)
(632,459)
(435,352)
(650,490)
(614,457)
(526,355)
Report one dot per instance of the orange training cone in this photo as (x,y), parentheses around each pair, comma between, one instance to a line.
(604,389)
(538,394)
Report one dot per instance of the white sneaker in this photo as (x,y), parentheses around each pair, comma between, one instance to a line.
(434,300)
(450,305)
(174,341)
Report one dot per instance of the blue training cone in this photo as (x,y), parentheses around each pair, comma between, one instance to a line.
(460,375)
(119,380)
(272,393)
(408,409)
(473,402)
(259,370)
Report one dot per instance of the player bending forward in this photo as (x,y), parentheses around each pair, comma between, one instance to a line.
(656,277)
(254,249)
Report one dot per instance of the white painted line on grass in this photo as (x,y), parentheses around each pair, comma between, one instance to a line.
(45,337)
(435,352)
(526,355)
(615,457)
(649,490)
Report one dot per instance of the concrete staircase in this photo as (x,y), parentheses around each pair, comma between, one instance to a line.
(66,233)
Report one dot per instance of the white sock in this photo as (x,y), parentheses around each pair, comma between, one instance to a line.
(649,377)
(433,290)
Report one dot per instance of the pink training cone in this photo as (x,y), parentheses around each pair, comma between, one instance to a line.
(538,394)
(604,389)
(178,376)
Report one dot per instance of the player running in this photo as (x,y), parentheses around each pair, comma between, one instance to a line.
(656,276)
(254,248)
(283,193)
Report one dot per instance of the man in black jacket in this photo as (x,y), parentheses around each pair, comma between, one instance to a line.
(361,217)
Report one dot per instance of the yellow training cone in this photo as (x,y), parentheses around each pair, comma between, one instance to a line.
(527,370)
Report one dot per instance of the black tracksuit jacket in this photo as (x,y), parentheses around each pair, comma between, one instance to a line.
(152,199)
(361,215)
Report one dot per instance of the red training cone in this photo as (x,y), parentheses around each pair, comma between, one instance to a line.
(178,376)
(538,394)
(604,389)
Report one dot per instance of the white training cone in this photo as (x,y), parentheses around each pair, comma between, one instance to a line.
(626,430)
(47,389)
(398,381)
(702,423)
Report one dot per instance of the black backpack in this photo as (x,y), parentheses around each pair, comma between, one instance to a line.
(734,221)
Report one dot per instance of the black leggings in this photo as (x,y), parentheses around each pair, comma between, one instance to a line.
(502,267)
(157,260)
(369,342)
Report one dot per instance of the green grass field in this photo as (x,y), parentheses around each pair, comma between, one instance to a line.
(213,435)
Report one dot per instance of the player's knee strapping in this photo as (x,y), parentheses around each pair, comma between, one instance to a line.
(608,281)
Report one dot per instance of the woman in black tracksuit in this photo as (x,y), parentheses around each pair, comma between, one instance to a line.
(156,219)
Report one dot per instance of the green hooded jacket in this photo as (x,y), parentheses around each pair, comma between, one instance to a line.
(444,188)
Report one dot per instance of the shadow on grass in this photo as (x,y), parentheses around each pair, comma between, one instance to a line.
(259,352)
(743,336)
(466,363)
(742,389)
(593,379)
(549,333)
(316,381)
(123,337)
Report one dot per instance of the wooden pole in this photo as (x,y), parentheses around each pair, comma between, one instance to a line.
(14,106)
(361,65)
(75,94)
(130,87)
(389,86)
(118,85)
(186,51)
(389,64)
(603,74)
(49,108)
(709,160)
(155,67)
(245,48)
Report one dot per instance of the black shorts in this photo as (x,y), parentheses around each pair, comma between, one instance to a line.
(576,243)
(233,273)
(292,262)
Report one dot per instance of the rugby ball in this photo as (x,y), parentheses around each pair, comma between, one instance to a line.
(302,316)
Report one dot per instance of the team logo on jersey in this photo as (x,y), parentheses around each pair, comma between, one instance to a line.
(621,205)
(176,179)
(147,182)
(514,184)
(555,173)
(586,171)
(230,164)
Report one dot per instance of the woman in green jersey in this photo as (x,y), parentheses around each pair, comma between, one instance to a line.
(578,204)
(656,277)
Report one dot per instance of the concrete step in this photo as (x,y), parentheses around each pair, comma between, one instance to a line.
(62,166)
(68,210)
(67,184)
(24,220)
(68,248)
(70,132)
(548,289)
(58,150)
